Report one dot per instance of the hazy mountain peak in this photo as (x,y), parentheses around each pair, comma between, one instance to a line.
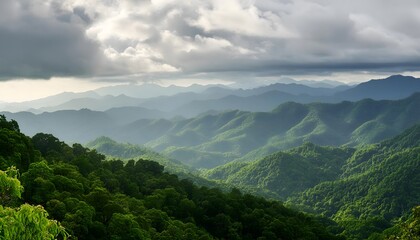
(392,87)
(399,77)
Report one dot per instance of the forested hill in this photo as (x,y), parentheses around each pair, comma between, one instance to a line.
(284,173)
(378,184)
(126,151)
(364,189)
(98,199)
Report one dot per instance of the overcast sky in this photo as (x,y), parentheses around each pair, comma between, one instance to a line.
(48,46)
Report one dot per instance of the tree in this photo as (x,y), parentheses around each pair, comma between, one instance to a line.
(27,221)
(124,226)
(10,187)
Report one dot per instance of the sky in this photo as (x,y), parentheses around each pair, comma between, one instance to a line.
(51,46)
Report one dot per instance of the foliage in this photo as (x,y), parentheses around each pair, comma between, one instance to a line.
(10,187)
(98,199)
(378,184)
(28,223)
(409,229)
(127,151)
(365,190)
(285,173)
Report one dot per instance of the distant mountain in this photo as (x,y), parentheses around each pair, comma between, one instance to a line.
(391,88)
(83,125)
(162,103)
(221,99)
(295,89)
(126,115)
(99,99)
(149,90)
(231,135)
(315,83)
(194,100)
(286,80)
(101,103)
(263,102)
(48,101)
(217,138)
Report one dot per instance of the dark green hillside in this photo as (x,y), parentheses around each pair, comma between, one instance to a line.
(109,147)
(285,173)
(126,151)
(404,229)
(364,189)
(379,184)
(98,199)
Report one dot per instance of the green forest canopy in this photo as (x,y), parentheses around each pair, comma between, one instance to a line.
(97,199)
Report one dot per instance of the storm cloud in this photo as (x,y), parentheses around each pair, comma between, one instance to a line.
(41,39)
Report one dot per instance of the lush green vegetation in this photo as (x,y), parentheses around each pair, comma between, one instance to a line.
(98,199)
(379,184)
(284,173)
(25,222)
(365,190)
(405,230)
(126,151)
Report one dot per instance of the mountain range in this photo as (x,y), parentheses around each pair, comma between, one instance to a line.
(210,140)
(197,99)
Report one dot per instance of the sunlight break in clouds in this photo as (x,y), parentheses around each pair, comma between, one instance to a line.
(24,90)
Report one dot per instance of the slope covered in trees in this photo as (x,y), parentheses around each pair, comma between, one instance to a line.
(285,173)
(18,221)
(364,189)
(379,183)
(98,199)
(126,151)
(213,140)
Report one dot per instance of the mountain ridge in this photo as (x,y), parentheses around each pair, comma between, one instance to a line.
(215,139)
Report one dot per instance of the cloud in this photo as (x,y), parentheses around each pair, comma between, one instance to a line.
(41,39)
(242,18)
